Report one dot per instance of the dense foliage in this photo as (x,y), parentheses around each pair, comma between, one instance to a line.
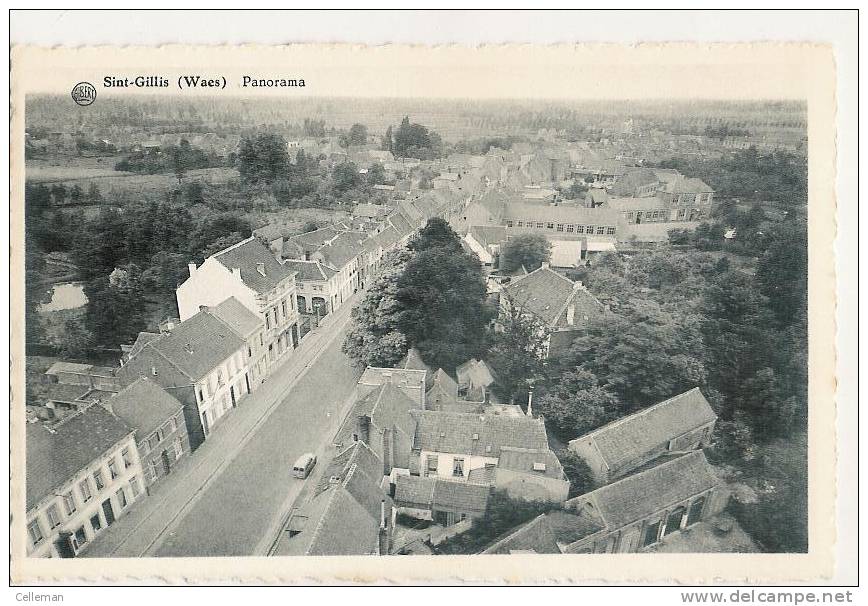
(168,158)
(525,250)
(413,141)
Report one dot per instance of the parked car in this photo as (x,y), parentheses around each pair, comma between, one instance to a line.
(303,465)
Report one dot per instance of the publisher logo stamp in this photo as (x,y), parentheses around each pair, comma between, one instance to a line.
(84,93)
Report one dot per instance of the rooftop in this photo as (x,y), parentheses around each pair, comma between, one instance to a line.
(477,434)
(144,406)
(259,268)
(236,316)
(55,456)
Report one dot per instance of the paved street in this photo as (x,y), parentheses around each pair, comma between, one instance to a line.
(230,496)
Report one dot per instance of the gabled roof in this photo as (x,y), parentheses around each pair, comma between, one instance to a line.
(236,316)
(68,367)
(387,406)
(64,392)
(249,256)
(197,345)
(144,406)
(55,456)
(435,493)
(475,372)
(546,294)
(398,376)
(341,249)
(477,434)
(626,185)
(489,234)
(297,245)
(343,515)
(309,271)
(630,437)
(547,532)
(387,237)
(143,339)
(654,489)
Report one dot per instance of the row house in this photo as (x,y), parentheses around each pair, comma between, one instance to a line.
(679,424)
(315,284)
(158,421)
(201,362)
(250,272)
(561,307)
(628,516)
(82,474)
(445,502)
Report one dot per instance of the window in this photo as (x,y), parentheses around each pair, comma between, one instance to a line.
(69,503)
(113,469)
(610,231)
(95,523)
(589,230)
(540,225)
(219,382)
(695,513)
(673,522)
(53,516)
(458,467)
(560,227)
(601,231)
(97,479)
(173,425)
(283,307)
(509,223)
(249,352)
(521,224)
(651,533)
(267,320)
(153,441)
(125,456)
(35,532)
(152,470)
(432,464)
(80,538)
(84,489)
(580,229)
(122,498)
(134,486)
(261,342)
(201,395)
(179,447)
(550,225)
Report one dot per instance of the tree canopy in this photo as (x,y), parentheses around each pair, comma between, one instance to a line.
(526,250)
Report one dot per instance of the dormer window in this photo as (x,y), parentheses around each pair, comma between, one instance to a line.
(154,370)
(541,467)
(476,436)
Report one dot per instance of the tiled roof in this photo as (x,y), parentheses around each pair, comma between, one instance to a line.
(237,317)
(413,361)
(580,215)
(489,234)
(401,224)
(630,437)
(399,376)
(545,533)
(546,294)
(654,489)
(341,249)
(628,204)
(71,367)
(527,460)
(343,515)
(143,339)
(55,456)
(64,392)
(454,432)
(367,209)
(476,373)
(197,345)
(310,271)
(249,256)
(387,237)
(627,184)
(387,406)
(144,406)
(440,494)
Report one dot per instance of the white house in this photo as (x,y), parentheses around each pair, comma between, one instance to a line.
(251,273)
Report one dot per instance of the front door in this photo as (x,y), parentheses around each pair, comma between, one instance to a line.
(108,511)
(232,394)
(247,381)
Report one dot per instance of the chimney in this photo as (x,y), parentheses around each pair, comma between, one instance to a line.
(260,267)
(236,271)
(382,514)
(203,308)
(364,429)
(530,402)
(545,265)
(578,285)
(571,314)
(192,267)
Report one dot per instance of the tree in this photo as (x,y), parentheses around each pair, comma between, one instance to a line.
(387,143)
(518,351)
(115,312)
(577,404)
(345,176)
(577,471)
(376,174)
(443,313)
(782,272)
(93,194)
(374,338)
(263,158)
(58,193)
(358,134)
(437,233)
(76,194)
(416,141)
(77,339)
(526,250)
(576,191)
(309,226)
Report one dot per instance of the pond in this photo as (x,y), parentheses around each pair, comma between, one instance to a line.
(66,295)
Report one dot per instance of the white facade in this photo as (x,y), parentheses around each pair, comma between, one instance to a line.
(446,464)
(82,509)
(222,389)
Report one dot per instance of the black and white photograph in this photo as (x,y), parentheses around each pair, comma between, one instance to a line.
(264,316)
